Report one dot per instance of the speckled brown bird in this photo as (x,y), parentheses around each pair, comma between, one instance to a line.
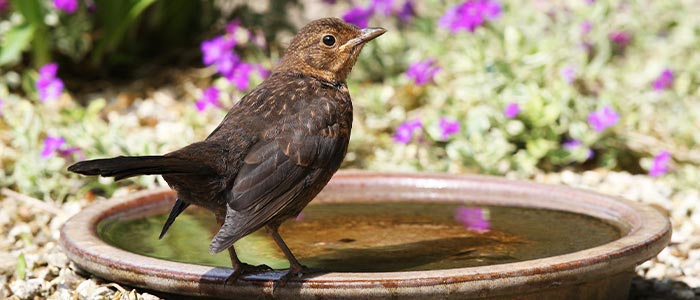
(275,149)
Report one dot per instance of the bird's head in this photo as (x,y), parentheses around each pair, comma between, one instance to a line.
(327,49)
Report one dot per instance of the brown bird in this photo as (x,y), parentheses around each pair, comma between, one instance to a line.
(275,149)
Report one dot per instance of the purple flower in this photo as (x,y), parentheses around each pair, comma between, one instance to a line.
(620,38)
(358,16)
(586,27)
(511,110)
(590,2)
(264,72)
(48,70)
(470,15)
(69,6)
(664,81)
(473,218)
(241,76)
(3,5)
(71,150)
(55,144)
(51,145)
(2,103)
(491,9)
(407,11)
(227,63)
(572,144)
(422,72)
(405,132)
(216,49)
(48,85)
(50,90)
(210,97)
(568,73)
(602,119)
(232,26)
(660,164)
(448,127)
(219,52)
(384,7)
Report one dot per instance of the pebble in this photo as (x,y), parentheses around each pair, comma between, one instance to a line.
(26,289)
(657,271)
(102,292)
(86,288)
(8,263)
(63,292)
(57,259)
(147,296)
(673,274)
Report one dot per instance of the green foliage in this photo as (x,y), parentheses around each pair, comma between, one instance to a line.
(21,268)
(116,33)
(516,58)
(32,31)
(115,18)
(90,128)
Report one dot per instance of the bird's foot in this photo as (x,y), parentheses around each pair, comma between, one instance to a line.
(243,269)
(296,272)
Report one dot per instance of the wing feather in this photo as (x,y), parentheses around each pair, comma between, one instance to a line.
(277,170)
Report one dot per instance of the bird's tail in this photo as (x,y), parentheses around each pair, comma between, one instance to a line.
(127,166)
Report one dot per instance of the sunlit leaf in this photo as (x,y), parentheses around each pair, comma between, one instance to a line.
(15,42)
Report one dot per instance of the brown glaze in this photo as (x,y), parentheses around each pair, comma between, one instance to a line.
(602,272)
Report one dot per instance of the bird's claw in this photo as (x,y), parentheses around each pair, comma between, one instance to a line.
(295,272)
(248,268)
(243,269)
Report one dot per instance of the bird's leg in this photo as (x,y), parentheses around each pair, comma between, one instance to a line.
(235,264)
(239,267)
(295,268)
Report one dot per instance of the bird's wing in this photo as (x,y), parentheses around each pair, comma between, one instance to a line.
(277,170)
(304,141)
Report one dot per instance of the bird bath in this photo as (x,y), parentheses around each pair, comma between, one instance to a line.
(388,235)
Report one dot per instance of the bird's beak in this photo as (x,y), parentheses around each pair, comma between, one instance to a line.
(366,35)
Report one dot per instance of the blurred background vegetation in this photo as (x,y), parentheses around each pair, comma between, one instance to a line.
(522,91)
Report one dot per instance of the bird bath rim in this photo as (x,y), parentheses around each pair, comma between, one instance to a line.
(648,233)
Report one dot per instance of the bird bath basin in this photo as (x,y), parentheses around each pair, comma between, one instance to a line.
(388,235)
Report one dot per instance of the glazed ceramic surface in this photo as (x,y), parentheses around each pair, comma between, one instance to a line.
(601,272)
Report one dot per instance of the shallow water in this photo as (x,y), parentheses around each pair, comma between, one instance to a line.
(373,237)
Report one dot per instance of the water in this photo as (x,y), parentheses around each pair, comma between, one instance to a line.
(373,237)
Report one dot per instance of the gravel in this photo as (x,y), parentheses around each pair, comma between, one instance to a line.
(31,227)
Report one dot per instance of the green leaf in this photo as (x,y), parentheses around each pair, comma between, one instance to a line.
(31,10)
(16,41)
(21,268)
(121,17)
(538,148)
(33,13)
(96,107)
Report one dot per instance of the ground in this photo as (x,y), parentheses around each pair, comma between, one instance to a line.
(668,276)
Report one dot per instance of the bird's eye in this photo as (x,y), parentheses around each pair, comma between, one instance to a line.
(328,40)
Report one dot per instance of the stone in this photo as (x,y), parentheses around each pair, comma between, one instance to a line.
(8,263)
(25,289)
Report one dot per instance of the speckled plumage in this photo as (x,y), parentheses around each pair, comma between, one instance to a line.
(275,149)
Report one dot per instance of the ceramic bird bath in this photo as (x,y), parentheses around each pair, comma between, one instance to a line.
(387,235)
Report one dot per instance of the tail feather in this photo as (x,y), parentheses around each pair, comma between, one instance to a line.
(178,208)
(127,166)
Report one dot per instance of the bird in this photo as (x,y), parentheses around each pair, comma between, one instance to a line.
(272,153)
